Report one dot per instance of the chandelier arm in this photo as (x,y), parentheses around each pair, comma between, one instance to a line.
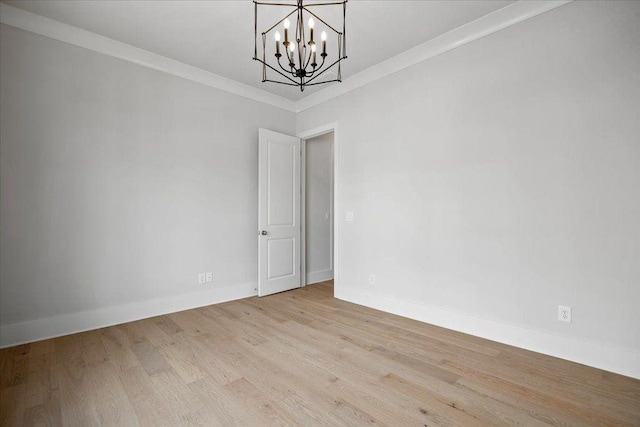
(264,59)
(341,55)
(344,31)
(324,58)
(289,4)
(279,72)
(275,4)
(326,4)
(283,83)
(315,70)
(280,21)
(308,59)
(284,69)
(322,20)
(320,83)
(292,61)
(311,74)
(322,72)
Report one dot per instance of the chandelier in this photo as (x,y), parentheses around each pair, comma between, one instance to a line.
(292,57)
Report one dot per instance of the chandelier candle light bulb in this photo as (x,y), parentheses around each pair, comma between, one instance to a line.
(286,32)
(277,37)
(323,37)
(292,48)
(311,24)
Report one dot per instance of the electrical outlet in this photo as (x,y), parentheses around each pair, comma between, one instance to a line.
(349,217)
(372,279)
(564,313)
(202,278)
(209,277)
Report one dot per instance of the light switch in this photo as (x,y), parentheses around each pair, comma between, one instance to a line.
(349,217)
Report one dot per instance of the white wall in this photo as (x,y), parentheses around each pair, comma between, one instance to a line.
(496,181)
(119,185)
(319,194)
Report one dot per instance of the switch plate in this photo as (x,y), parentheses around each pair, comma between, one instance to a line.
(209,277)
(372,279)
(349,217)
(564,313)
(202,278)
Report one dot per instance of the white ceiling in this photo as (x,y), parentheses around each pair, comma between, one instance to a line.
(217,36)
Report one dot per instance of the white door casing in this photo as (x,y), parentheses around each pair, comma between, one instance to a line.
(278,212)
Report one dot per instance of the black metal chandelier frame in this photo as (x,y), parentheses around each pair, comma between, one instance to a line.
(305,72)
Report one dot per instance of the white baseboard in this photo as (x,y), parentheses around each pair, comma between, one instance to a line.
(36,330)
(319,276)
(621,361)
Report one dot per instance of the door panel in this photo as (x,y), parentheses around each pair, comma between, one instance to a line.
(281,184)
(278,212)
(280,258)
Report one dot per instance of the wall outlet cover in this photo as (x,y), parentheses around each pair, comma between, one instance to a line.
(564,313)
(202,278)
(209,277)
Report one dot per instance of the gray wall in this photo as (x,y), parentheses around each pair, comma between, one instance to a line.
(119,183)
(502,178)
(495,181)
(319,202)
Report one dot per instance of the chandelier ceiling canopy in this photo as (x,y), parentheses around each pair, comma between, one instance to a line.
(291,51)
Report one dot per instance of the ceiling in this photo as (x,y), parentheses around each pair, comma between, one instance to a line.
(218,36)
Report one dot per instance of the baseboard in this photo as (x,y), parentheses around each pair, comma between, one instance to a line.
(36,330)
(621,361)
(319,276)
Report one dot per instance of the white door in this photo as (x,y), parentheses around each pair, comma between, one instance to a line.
(278,212)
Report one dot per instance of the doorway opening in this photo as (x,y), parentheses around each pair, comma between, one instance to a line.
(318,209)
(283,206)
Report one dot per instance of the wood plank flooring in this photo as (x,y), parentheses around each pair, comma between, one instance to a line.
(300,358)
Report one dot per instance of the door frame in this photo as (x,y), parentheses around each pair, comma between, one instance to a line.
(304,136)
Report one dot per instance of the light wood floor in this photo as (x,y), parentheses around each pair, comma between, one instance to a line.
(300,358)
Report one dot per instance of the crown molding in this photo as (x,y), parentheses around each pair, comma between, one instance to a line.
(19,18)
(500,19)
(474,30)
